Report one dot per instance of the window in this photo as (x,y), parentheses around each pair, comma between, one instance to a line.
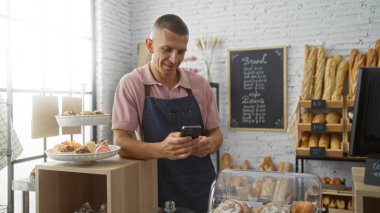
(46,45)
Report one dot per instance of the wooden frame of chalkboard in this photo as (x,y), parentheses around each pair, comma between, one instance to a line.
(257,89)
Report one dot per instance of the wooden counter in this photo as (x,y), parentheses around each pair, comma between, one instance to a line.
(126,185)
(366,198)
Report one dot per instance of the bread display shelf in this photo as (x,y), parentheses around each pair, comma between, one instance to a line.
(331,210)
(82,120)
(329,104)
(333,186)
(329,127)
(345,193)
(350,102)
(328,152)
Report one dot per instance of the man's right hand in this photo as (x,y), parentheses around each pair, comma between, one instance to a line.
(175,147)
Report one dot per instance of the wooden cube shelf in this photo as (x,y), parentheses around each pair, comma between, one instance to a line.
(125,185)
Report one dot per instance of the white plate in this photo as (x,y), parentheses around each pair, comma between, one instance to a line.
(82,120)
(82,158)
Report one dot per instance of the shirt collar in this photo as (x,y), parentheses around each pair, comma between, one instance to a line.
(148,79)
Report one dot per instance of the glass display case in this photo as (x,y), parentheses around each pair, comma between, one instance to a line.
(262,192)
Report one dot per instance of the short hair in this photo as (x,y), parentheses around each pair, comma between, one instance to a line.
(173,23)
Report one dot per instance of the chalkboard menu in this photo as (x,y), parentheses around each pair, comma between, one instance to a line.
(258,89)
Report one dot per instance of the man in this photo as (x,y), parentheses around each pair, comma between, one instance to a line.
(156,100)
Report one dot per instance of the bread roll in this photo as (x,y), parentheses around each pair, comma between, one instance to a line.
(333,118)
(360,60)
(319,74)
(313,142)
(267,164)
(371,58)
(336,141)
(302,207)
(326,180)
(336,181)
(306,117)
(319,118)
(329,78)
(324,141)
(340,77)
(308,78)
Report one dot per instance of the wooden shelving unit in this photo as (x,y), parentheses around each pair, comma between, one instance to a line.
(127,186)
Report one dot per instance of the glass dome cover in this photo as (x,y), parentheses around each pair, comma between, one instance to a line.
(262,192)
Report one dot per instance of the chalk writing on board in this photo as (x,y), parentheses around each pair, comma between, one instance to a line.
(257,82)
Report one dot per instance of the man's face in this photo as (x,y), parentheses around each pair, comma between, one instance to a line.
(168,51)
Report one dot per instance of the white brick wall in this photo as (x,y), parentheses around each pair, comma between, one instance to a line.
(340,25)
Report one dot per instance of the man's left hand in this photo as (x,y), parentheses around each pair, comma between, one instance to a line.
(205,146)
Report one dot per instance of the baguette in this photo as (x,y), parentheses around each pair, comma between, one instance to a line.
(377,49)
(353,54)
(360,60)
(329,79)
(338,59)
(306,53)
(319,73)
(340,77)
(371,58)
(308,77)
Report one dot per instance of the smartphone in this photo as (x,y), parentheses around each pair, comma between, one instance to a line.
(193,131)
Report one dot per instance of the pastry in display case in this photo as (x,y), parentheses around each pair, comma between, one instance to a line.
(261,192)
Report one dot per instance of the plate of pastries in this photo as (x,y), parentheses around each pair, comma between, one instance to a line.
(84,118)
(78,153)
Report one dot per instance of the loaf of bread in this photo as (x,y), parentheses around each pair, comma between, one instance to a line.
(246,165)
(349,205)
(341,204)
(284,166)
(326,200)
(306,117)
(302,207)
(336,141)
(271,207)
(267,164)
(338,59)
(281,191)
(313,142)
(340,78)
(324,141)
(329,78)
(333,117)
(371,58)
(319,74)
(332,203)
(336,181)
(319,118)
(305,137)
(360,61)
(267,189)
(255,191)
(308,78)
(231,205)
(226,161)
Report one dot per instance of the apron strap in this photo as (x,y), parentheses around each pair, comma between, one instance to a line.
(147,91)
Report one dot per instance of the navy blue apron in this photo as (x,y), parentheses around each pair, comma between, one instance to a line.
(186,181)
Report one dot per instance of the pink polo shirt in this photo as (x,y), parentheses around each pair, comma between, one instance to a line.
(128,104)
